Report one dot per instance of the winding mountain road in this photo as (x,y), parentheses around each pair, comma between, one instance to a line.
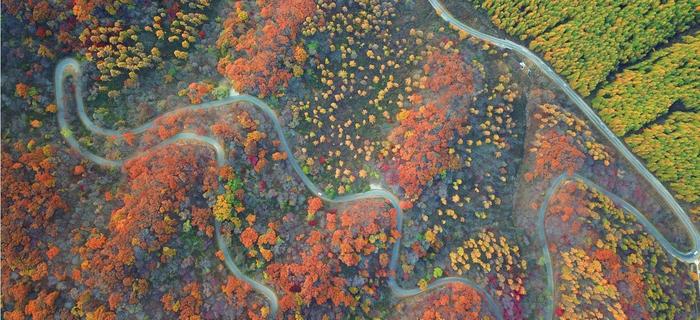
(692,256)
(588,112)
(71,67)
(686,257)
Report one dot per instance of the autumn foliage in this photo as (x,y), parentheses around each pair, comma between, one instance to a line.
(562,143)
(555,154)
(357,236)
(449,75)
(672,152)
(160,184)
(30,202)
(422,146)
(585,42)
(197,90)
(421,141)
(607,265)
(454,301)
(261,42)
